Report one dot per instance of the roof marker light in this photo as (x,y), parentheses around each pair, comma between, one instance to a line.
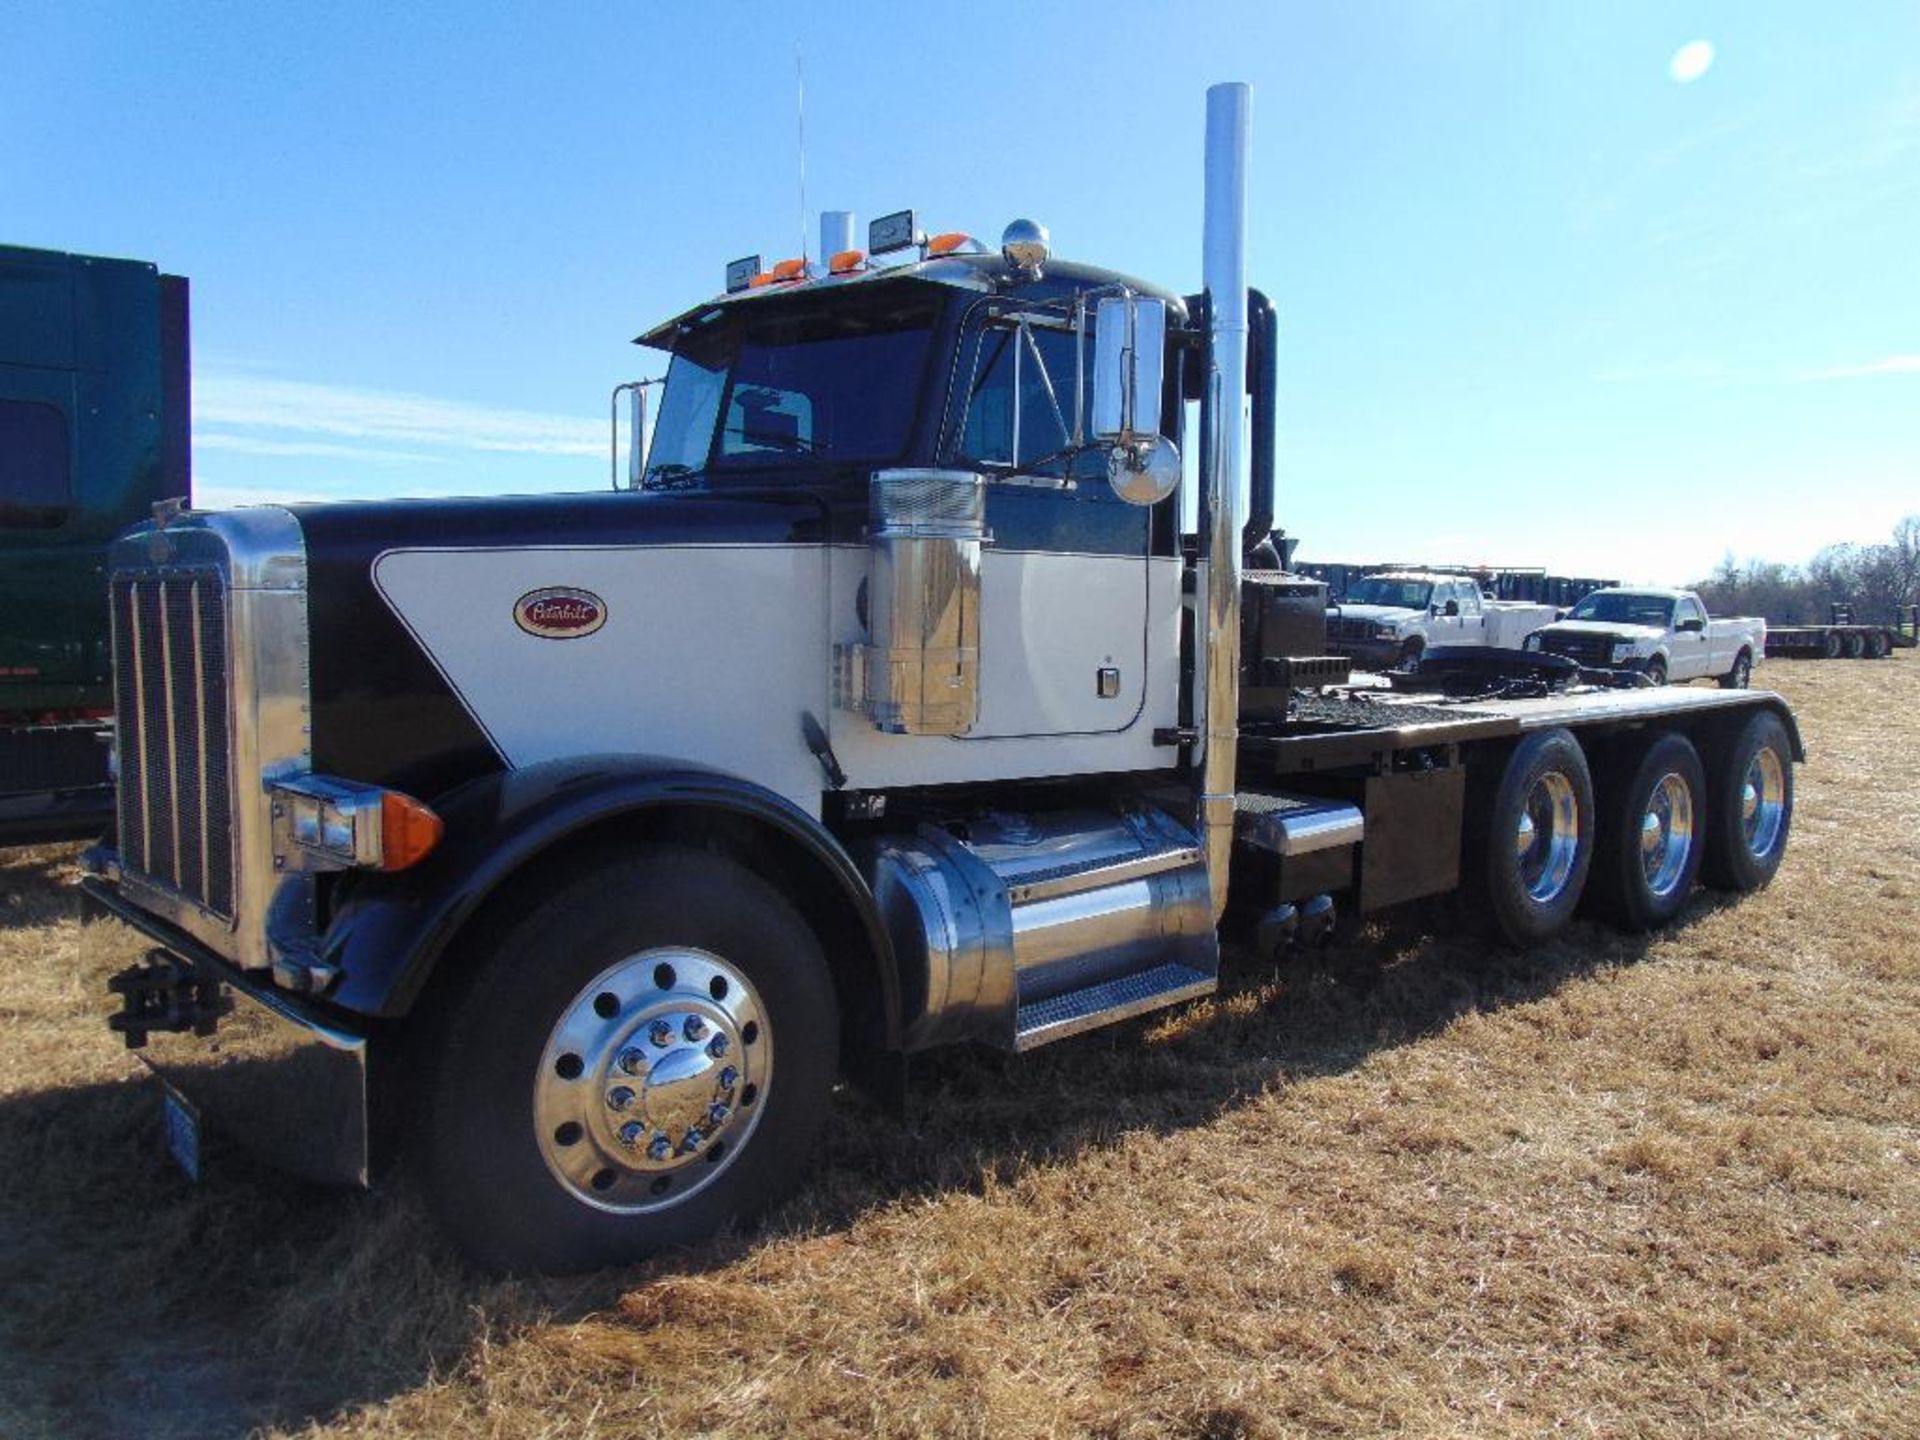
(740,273)
(787,270)
(846,262)
(948,243)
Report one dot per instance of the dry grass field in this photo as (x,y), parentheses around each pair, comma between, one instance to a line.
(1615,1187)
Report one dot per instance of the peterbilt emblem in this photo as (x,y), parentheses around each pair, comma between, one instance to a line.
(559,613)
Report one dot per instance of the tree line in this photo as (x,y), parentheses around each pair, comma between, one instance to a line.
(1874,579)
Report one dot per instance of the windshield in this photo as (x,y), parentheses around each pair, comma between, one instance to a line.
(832,386)
(1381,590)
(1623,608)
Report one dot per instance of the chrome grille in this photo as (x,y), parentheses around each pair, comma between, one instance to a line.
(175,743)
(1352,629)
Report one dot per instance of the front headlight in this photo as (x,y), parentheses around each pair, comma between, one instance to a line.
(1386,630)
(1533,642)
(1622,650)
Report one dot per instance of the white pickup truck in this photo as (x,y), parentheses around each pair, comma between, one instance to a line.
(1394,618)
(1664,634)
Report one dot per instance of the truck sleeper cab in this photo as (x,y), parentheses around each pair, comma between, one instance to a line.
(577,844)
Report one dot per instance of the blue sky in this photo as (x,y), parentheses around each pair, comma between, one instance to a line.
(1549,294)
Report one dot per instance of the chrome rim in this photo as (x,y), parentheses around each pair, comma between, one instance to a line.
(1548,836)
(1763,801)
(652,1080)
(1666,834)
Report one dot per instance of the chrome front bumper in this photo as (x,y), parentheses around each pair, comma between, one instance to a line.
(275,1077)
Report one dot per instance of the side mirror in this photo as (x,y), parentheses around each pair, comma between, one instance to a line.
(1129,370)
(1692,625)
(1453,607)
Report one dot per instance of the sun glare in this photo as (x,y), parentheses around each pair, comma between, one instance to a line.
(1691,61)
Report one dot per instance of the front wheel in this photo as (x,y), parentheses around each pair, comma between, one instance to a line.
(1878,645)
(1656,671)
(1856,645)
(1749,804)
(1530,839)
(1741,675)
(1411,654)
(605,1085)
(1831,645)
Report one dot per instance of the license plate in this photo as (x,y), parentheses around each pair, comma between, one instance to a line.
(183,1132)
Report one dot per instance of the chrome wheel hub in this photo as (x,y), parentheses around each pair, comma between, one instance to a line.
(652,1079)
(1763,801)
(1666,834)
(1547,837)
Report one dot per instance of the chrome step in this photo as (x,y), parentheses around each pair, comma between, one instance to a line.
(1098,874)
(1043,1021)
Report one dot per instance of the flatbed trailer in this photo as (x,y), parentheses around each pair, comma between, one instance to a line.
(1845,638)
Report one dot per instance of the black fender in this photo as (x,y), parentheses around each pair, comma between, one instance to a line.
(389,931)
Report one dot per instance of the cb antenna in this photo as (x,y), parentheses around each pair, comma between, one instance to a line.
(800,123)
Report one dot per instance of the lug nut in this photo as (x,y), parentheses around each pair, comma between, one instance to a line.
(631,1132)
(690,1142)
(717,1114)
(632,1061)
(717,1046)
(660,1149)
(619,1098)
(661,1033)
(729,1077)
(695,1029)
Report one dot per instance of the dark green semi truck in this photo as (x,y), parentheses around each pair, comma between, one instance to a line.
(94,433)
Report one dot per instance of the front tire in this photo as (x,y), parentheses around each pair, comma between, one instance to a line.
(1656,671)
(1411,654)
(1530,839)
(604,1086)
(1741,675)
(1648,843)
(1749,804)
(1831,645)
(1856,645)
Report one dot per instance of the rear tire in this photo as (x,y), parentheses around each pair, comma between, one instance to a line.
(603,1085)
(1741,675)
(1649,836)
(1529,839)
(1749,803)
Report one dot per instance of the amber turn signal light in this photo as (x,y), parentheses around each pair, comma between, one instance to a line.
(408,831)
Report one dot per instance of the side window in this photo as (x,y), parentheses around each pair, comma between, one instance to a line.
(36,472)
(1690,610)
(1469,598)
(1020,400)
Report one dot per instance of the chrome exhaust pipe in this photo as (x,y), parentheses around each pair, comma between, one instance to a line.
(1224,274)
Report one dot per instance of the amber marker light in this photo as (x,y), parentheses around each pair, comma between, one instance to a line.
(948,243)
(788,270)
(846,262)
(408,831)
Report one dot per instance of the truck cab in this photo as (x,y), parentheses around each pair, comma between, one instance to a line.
(93,433)
(580,843)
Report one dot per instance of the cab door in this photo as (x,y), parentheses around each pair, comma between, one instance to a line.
(1068,583)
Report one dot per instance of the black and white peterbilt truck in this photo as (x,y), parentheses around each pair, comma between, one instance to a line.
(573,848)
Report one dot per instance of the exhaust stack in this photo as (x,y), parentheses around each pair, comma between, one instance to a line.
(1224,273)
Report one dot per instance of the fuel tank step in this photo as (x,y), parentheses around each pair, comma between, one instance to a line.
(1059,1016)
